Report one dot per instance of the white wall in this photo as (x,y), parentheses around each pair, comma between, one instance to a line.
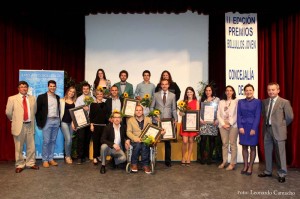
(156,42)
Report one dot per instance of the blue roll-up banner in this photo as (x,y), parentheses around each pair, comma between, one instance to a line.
(38,84)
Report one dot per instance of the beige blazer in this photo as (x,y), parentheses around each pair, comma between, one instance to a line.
(232,110)
(133,129)
(15,112)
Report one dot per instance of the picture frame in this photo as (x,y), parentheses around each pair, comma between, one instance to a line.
(209,111)
(153,130)
(80,117)
(168,125)
(129,105)
(191,121)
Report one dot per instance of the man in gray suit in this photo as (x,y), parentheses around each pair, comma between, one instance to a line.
(20,110)
(165,101)
(278,114)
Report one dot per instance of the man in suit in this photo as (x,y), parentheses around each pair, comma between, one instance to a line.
(277,114)
(20,110)
(48,119)
(114,142)
(124,86)
(165,101)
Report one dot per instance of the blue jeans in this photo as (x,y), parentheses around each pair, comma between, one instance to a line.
(50,132)
(67,130)
(140,148)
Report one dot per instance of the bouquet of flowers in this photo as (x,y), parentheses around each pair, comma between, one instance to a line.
(148,140)
(154,113)
(146,101)
(182,106)
(125,95)
(105,91)
(116,111)
(88,100)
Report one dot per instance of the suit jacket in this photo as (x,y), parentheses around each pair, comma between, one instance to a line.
(281,116)
(108,136)
(42,109)
(108,103)
(169,110)
(128,89)
(133,129)
(15,112)
(172,88)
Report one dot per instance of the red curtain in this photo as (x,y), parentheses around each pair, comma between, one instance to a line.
(279,61)
(36,42)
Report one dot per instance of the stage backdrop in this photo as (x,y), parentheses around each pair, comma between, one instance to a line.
(241,55)
(38,84)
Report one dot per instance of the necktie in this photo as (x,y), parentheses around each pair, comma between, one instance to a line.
(25,108)
(269,112)
(164,98)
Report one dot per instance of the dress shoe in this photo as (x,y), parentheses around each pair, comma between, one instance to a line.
(230,167)
(168,164)
(134,168)
(281,179)
(102,169)
(19,170)
(147,169)
(53,163)
(35,167)
(45,164)
(69,160)
(262,175)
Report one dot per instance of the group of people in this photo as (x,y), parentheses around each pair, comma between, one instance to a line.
(112,135)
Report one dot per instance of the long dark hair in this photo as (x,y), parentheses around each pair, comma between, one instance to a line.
(233,95)
(170,77)
(204,96)
(185,98)
(97,79)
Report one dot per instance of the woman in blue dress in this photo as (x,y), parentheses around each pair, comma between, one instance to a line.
(248,118)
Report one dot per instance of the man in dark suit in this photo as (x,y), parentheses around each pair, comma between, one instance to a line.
(48,119)
(114,142)
(124,86)
(165,101)
(20,110)
(277,114)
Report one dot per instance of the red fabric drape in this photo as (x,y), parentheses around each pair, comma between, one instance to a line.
(279,59)
(36,42)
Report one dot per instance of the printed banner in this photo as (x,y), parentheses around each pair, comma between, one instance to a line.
(241,55)
(38,84)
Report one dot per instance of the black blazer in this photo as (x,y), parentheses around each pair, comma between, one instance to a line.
(42,109)
(108,136)
(109,105)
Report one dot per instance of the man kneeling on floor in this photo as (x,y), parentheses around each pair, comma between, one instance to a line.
(114,142)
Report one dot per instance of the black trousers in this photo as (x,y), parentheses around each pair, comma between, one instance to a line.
(83,142)
(96,136)
(167,152)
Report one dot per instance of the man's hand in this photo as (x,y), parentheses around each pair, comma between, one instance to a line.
(116,147)
(127,144)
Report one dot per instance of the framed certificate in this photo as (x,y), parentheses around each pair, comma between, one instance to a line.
(190,121)
(168,125)
(128,108)
(80,117)
(151,130)
(209,111)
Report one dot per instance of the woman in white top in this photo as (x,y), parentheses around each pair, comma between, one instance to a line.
(100,80)
(227,117)
(66,104)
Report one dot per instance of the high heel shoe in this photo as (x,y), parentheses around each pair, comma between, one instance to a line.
(95,161)
(222,166)
(248,173)
(230,167)
(183,163)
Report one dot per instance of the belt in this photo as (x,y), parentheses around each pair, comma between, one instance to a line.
(26,122)
(52,118)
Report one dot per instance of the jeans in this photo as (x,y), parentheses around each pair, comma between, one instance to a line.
(67,130)
(50,132)
(119,156)
(140,148)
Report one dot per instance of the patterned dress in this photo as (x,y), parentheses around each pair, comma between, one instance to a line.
(193,105)
(209,129)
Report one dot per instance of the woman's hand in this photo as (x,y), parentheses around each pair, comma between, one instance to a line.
(242,131)
(252,132)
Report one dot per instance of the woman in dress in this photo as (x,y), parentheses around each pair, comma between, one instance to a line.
(248,118)
(66,104)
(100,80)
(173,86)
(227,117)
(208,131)
(188,137)
(98,119)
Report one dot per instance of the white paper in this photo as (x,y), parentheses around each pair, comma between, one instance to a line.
(130,108)
(80,117)
(167,126)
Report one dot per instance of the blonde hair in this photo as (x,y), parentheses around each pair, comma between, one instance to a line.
(75,95)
